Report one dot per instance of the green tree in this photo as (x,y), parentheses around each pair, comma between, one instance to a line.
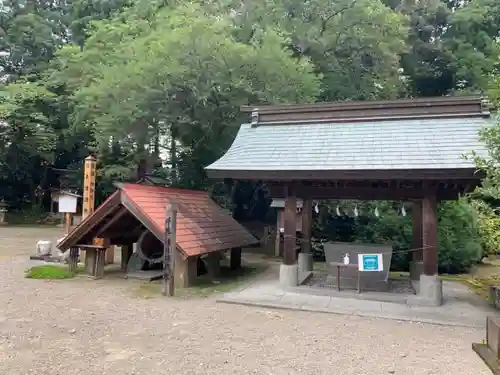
(186,78)
(27,141)
(354,44)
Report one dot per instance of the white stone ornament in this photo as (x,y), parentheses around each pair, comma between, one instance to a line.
(43,248)
(59,253)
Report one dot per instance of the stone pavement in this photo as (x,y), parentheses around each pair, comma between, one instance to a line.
(461,308)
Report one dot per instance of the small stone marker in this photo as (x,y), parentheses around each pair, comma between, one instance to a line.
(43,248)
(490,352)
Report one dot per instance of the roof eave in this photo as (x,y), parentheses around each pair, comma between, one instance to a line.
(90,222)
(466,173)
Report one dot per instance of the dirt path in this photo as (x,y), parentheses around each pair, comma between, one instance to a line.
(98,327)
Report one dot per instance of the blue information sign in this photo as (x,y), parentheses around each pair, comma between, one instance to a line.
(370,262)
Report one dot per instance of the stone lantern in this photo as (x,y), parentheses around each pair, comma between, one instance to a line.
(3,211)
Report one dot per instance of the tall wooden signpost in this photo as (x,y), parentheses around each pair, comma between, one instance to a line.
(169,248)
(89,175)
(89,179)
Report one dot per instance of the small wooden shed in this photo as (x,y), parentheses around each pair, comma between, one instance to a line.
(203,228)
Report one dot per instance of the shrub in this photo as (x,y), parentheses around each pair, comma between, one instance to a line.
(459,242)
(488,224)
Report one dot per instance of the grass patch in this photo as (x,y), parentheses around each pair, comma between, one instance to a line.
(49,272)
(228,280)
(479,285)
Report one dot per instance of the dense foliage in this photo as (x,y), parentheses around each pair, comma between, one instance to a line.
(157,85)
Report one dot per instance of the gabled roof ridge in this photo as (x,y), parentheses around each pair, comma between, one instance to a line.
(359,111)
(354,120)
(121,185)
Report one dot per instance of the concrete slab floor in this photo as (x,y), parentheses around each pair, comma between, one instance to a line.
(461,308)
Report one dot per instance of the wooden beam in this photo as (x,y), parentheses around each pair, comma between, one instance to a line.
(345,175)
(117,216)
(365,193)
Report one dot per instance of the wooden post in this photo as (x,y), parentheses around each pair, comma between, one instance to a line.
(429,231)
(127,251)
(99,267)
(73,259)
(90,261)
(169,249)
(416,264)
(235,258)
(277,240)
(305,245)
(68,222)
(110,255)
(290,229)
(417,230)
(89,176)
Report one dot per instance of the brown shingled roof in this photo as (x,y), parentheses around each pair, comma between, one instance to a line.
(202,226)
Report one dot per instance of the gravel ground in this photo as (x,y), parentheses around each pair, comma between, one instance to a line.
(98,327)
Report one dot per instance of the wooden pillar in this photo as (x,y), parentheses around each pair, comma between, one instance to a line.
(305,245)
(89,176)
(99,267)
(290,227)
(90,261)
(127,251)
(213,264)
(417,231)
(235,260)
(73,259)
(110,255)
(67,222)
(277,239)
(416,265)
(429,235)
(185,272)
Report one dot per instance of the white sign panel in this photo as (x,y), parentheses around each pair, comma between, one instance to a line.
(370,262)
(67,203)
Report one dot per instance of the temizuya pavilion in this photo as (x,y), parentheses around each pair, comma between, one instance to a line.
(409,150)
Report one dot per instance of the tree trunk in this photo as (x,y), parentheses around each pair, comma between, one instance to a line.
(173,155)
